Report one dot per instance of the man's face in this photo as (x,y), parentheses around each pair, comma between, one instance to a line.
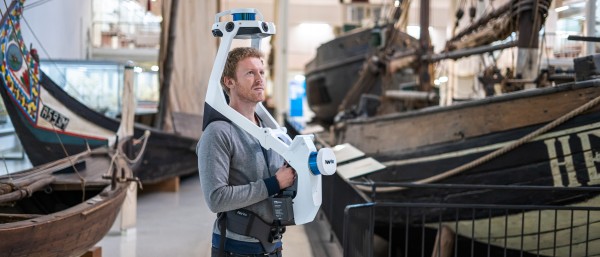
(249,83)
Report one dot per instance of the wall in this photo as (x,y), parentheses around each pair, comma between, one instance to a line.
(307,25)
(60,25)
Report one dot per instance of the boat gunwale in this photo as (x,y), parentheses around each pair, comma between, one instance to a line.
(107,197)
(485,101)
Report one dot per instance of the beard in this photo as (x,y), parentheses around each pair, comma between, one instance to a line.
(253,93)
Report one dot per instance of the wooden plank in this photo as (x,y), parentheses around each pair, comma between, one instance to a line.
(398,133)
(312,129)
(359,168)
(13,217)
(169,185)
(346,152)
(128,214)
(444,242)
(95,251)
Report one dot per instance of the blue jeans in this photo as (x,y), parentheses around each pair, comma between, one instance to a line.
(276,253)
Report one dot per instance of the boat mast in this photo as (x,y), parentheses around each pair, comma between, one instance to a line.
(590,25)
(168,67)
(529,24)
(425,47)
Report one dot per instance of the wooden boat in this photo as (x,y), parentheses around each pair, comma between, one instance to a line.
(539,137)
(564,156)
(62,208)
(478,146)
(430,144)
(51,124)
(333,72)
(65,207)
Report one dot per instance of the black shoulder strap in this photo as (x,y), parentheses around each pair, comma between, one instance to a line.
(222,221)
(210,115)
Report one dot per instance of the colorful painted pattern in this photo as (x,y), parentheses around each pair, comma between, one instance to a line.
(20,72)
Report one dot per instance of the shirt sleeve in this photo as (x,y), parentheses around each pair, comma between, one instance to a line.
(272,185)
(214,155)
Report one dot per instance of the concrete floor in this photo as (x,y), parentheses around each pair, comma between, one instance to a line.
(180,224)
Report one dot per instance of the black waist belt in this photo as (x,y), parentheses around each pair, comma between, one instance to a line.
(247,223)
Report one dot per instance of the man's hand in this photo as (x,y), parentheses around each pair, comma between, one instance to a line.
(285,175)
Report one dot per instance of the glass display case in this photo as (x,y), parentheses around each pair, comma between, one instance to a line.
(124,24)
(98,84)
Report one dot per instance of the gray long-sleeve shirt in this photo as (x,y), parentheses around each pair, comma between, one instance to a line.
(234,174)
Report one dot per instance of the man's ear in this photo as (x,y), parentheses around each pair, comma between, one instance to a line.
(228,82)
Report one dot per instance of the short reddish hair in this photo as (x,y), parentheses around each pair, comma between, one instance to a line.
(233,58)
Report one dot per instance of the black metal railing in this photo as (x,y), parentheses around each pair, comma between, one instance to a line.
(557,231)
(570,227)
(337,194)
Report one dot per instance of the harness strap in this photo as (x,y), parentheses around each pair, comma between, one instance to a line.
(210,115)
(222,221)
(246,223)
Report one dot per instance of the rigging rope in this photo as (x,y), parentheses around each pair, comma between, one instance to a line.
(144,137)
(36,4)
(6,167)
(13,31)
(51,60)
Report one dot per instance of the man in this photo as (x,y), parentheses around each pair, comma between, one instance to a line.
(235,171)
